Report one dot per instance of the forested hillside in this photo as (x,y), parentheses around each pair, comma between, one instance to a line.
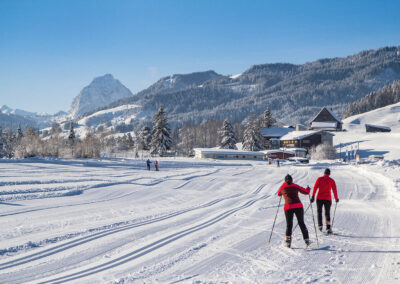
(385,96)
(294,93)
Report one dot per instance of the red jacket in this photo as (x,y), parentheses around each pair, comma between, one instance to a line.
(325,185)
(291,194)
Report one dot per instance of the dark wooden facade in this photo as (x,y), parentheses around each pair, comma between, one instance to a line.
(326,115)
(309,141)
(306,142)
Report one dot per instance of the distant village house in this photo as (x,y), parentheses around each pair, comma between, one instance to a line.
(306,139)
(273,134)
(325,120)
(376,128)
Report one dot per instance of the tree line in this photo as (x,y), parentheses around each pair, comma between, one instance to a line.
(387,95)
(158,141)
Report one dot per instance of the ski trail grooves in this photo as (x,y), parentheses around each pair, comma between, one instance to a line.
(152,246)
(83,240)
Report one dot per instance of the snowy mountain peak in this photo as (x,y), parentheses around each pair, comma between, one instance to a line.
(7,110)
(102,91)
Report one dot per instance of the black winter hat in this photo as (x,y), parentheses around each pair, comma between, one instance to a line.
(327,171)
(288,179)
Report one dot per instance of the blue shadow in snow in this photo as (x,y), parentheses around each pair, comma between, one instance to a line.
(11,204)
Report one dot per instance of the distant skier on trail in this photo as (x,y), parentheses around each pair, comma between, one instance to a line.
(156,165)
(324,198)
(148,162)
(293,206)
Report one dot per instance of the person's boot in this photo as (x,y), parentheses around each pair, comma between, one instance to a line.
(328,228)
(320,228)
(308,242)
(288,241)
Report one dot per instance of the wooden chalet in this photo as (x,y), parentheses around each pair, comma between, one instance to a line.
(376,128)
(325,120)
(306,139)
(273,134)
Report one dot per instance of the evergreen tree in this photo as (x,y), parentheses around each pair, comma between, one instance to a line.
(71,135)
(19,132)
(161,136)
(130,141)
(144,138)
(268,119)
(2,142)
(252,139)
(228,140)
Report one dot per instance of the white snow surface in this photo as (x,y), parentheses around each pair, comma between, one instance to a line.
(194,221)
(384,143)
(236,76)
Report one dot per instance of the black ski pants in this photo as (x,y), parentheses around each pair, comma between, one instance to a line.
(299,212)
(327,206)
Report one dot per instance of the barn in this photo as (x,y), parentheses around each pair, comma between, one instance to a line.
(306,139)
(273,134)
(376,128)
(325,120)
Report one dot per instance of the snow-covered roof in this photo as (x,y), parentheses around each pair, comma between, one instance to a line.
(330,112)
(226,151)
(294,149)
(275,131)
(325,124)
(377,126)
(278,151)
(298,135)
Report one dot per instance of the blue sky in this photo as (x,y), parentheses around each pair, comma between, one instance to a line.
(50,50)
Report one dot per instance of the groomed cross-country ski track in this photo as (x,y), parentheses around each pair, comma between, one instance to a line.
(194,221)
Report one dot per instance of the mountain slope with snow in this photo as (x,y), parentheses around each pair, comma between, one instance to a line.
(100,92)
(385,116)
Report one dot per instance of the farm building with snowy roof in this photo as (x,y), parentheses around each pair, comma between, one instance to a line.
(306,139)
(272,135)
(376,128)
(325,120)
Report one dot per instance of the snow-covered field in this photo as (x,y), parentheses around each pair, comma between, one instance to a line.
(200,221)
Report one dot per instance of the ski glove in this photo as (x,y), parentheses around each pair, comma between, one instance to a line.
(312,199)
(337,200)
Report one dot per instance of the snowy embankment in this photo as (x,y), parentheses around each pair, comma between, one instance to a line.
(194,221)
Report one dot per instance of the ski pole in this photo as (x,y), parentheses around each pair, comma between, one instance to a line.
(315,228)
(273,225)
(334,213)
(298,222)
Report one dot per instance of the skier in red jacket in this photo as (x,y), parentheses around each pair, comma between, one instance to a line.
(293,206)
(324,198)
